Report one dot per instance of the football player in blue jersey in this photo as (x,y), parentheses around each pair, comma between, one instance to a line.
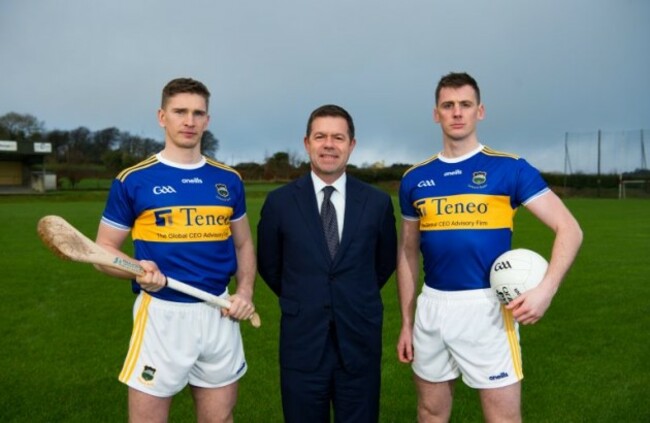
(186,214)
(457,210)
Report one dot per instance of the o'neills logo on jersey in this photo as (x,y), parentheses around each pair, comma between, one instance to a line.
(194,180)
(222,191)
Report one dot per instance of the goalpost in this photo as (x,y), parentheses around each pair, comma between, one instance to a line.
(608,155)
(623,183)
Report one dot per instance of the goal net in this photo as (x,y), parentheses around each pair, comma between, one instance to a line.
(605,152)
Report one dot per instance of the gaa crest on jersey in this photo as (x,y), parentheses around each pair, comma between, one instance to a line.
(222,191)
(479,178)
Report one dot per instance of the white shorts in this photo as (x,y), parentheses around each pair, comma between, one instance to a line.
(468,333)
(174,344)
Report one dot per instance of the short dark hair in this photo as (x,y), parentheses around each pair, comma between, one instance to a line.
(331,110)
(457,80)
(184,85)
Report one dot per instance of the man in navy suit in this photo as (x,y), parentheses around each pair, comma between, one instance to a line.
(328,278)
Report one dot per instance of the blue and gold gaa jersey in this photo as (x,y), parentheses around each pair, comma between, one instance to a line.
(466,208)
(179,217)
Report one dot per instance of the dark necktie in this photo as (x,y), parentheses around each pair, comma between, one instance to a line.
(330,226)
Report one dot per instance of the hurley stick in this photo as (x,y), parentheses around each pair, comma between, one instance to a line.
(70,244)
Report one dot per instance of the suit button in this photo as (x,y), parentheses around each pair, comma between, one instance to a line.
(327,307)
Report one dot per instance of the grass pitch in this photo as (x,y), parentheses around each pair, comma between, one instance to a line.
(65,328)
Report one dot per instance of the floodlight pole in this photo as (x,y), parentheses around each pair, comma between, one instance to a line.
(644,164)
(567,160)
(598,179)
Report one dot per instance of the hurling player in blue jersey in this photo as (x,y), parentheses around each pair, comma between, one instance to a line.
(186,214)
(457,209)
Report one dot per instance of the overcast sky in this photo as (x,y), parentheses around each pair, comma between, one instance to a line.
(545,68)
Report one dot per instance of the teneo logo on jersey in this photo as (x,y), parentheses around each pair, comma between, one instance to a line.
(178,224)
(468,211)
(222,191)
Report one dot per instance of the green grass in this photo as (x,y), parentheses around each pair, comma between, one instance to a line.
(65,327)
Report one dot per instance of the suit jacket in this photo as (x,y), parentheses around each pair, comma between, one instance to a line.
(315,290)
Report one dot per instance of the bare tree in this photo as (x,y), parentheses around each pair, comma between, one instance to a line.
(209,145)
(22,127)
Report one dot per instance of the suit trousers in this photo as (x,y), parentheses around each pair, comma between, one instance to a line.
(353,397)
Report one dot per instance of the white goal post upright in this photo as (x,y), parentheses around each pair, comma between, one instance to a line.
(622,184)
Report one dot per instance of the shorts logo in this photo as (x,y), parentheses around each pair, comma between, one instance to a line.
(147,375)
(166,189)
(222,191)
(499,376)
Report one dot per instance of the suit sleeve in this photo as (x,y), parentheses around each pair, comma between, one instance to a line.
(269,246)
(386,254)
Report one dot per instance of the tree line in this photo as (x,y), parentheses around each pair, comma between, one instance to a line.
(112,148)
(81,152)
(84,154)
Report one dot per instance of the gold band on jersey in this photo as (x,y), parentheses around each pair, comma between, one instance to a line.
(467,211)
(183,224)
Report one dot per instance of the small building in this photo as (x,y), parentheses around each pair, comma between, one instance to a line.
(22,167)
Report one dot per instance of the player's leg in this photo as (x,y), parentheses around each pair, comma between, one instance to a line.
(486,348)
(434,400)
(147,408)
(215,405)
(434,368)
(221,363)
(154,368)
(502,404)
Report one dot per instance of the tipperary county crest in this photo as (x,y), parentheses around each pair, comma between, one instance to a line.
(479,178)
(222,191)
(147,374)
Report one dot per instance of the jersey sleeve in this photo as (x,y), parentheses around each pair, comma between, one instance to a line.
(239,208)
(407,208)
(530,184)
(118,211)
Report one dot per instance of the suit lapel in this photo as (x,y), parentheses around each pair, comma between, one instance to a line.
(305,199)
(355,200)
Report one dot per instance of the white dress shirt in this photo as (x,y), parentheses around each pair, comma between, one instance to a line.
(337,198)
